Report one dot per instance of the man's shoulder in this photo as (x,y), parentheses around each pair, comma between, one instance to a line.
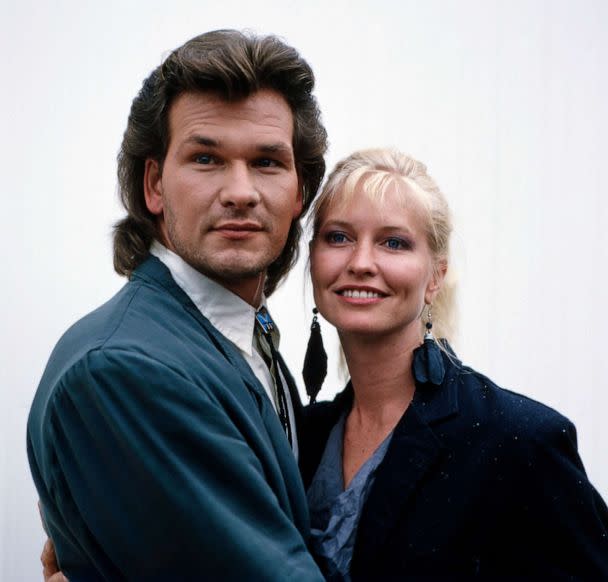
(136,307)
(149,305)
(143,320)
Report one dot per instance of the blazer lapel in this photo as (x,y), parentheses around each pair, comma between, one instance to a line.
(413,450)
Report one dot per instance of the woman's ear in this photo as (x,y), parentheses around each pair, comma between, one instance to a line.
(439,271)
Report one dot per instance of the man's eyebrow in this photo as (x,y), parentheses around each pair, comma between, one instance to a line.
(280,148)
(275,148)
(203,140)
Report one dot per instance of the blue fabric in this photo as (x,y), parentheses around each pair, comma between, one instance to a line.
(334,511)
(156,452)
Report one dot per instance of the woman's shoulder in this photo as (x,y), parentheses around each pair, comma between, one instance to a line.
(506,410)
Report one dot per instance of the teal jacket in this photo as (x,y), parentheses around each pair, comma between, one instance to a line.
(157,454)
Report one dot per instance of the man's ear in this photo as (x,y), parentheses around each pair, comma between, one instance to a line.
(153,187)
(439,271)
(297,211)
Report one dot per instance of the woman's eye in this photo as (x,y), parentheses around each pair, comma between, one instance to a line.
(336,237)
(396,244)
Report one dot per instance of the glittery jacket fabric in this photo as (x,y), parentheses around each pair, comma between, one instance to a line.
(478,482)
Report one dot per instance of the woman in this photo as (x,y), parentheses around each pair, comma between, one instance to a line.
(422,466)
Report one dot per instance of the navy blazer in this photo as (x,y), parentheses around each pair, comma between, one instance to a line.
(477,482)
(156,452)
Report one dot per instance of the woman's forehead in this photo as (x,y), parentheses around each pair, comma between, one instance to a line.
(383,197)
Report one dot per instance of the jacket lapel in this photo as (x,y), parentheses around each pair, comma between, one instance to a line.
(153,271)
(414,450)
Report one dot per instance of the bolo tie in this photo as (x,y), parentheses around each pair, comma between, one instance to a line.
(264,331)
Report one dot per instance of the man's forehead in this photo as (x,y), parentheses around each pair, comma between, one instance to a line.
(266,109)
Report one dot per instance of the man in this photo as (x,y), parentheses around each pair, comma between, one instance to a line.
(153,439)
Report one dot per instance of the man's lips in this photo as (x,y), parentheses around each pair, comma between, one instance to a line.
(237,230)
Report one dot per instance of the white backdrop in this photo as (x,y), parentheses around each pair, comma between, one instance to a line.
(504,101)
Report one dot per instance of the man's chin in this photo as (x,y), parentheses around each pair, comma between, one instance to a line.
(232,271)
(228,264)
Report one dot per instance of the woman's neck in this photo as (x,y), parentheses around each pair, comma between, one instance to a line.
(381,374)
(383,384)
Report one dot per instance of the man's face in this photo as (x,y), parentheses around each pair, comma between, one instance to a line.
(228,190)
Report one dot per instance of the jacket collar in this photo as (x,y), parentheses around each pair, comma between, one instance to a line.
(154,272)
(436,403)
(228,313)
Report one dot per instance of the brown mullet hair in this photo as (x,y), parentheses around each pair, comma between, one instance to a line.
(233,65)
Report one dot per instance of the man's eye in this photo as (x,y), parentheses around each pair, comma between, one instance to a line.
(266,163)
(397,244)
(204,159)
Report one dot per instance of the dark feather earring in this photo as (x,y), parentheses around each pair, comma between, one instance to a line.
(315,360)
(428,362)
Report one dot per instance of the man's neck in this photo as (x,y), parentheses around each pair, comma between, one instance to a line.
(249,290)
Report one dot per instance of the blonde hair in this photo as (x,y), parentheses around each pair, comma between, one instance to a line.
(372,172)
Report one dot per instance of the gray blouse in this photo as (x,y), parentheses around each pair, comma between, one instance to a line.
(335,512)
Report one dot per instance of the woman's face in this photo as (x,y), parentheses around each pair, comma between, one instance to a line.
(371,267)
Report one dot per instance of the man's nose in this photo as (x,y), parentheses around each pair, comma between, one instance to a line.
(362,260)
(238,189)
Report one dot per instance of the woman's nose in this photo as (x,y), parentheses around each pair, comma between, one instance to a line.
(362,259)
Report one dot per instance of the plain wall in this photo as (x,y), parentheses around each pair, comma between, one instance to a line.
(504,101)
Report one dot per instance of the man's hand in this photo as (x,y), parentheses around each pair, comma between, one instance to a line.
(50,569)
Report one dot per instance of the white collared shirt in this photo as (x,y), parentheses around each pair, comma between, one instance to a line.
(233,317)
